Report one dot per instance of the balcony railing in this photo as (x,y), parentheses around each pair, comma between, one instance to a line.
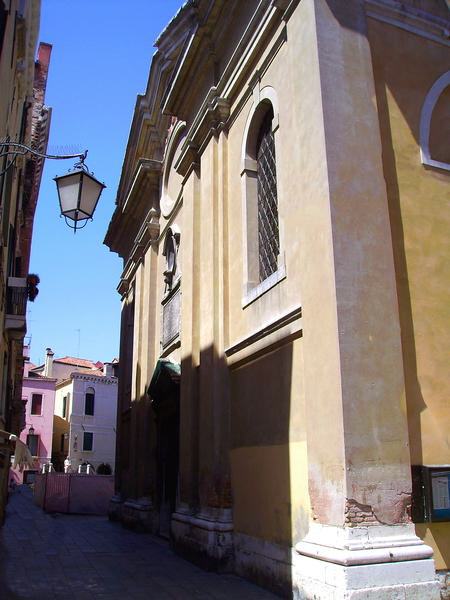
(16,304)
(16,297)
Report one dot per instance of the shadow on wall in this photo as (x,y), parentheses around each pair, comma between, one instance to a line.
(235,427)
(415,401)
(409,86)
(261,395)
(419,243)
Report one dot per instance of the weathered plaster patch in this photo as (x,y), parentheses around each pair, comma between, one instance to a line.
(357,514)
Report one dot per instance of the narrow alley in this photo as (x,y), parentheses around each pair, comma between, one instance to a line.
(45,557)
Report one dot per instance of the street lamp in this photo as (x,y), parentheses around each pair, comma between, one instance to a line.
(78,190)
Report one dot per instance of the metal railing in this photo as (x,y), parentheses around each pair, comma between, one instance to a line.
(16,296)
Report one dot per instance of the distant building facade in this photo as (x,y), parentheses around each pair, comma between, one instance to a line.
(24,118)
(283,219)
(85,420)
(38,396)
(61,368)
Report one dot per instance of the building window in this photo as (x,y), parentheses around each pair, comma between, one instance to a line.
(64,407)
(36,404)
(268,230)
(33,444)
(88,441)
(263,265)
(61,443)
(89,402)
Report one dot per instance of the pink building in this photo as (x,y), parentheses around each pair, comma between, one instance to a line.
(38,394)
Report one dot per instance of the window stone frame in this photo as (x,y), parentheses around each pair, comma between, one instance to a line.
(263,99)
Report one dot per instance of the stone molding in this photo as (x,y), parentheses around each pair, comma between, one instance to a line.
(261,340)
(147,172)
(148,234)
(97,378)
(167,204)
(350,546)
(419,22)
(210,120)
(375,562)
(222,524)
(214,113)
(205,537)
(137,514)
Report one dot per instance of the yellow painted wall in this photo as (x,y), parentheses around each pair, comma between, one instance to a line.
(268,455)
(405,67)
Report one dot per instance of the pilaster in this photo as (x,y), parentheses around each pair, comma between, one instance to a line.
(203,530)
(361,543)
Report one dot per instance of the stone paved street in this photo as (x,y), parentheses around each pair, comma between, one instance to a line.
(45,557)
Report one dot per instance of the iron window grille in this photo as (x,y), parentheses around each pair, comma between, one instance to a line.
(268,228)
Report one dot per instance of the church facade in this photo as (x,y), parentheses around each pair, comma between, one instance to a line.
(282,217)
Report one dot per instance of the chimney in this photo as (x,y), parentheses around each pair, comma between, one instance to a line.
(108,369)
(48,362)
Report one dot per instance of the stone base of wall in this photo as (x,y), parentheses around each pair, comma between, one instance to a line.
(115,508)
(370,563)
(444,581)
(316,579)
(265,563)
(205,538)
(139,515)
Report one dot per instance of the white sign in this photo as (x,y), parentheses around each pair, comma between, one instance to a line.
(441,496)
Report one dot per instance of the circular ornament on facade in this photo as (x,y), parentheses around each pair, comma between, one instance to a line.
(172,181)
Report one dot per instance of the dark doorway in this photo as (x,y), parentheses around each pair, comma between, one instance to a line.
(164,391)
(168,428)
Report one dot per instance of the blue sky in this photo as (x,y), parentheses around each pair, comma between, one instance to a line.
(100,61)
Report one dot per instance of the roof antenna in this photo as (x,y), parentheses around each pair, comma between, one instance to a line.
(78,350)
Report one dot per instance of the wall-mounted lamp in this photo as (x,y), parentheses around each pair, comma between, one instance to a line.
(78,190)
(31,430)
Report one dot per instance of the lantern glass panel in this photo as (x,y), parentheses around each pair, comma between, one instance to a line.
(90,193)
(68,188)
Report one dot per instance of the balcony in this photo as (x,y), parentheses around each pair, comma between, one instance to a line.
(16,305)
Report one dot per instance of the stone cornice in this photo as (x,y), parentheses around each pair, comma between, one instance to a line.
(278,331)
(125,224)
(210,120)
(149,125)
(147,235)
(147,175)
(411,19)
(214,112)
(98,378)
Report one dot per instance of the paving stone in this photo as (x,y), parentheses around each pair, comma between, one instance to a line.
(52,557)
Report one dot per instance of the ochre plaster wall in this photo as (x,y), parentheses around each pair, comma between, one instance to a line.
(268,455)
(406,66)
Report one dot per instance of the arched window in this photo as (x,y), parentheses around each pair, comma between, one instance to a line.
(263,257)
(266,170)
(434,140)
(89,402)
